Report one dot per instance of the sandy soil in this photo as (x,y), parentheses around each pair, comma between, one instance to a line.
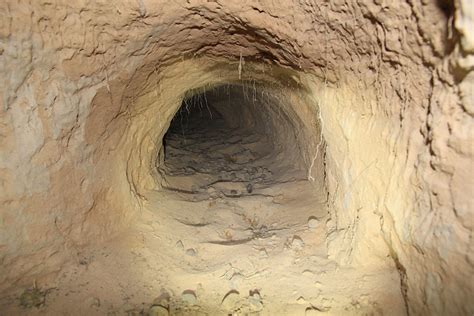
(234,231)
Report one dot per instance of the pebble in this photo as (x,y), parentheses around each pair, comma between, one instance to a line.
(249,188)
(297,243)
(313,222)
(255,301)
(301,300)
(191,252)
(179,244)
(189,297)
(93,302)
(158,310)
(212,192)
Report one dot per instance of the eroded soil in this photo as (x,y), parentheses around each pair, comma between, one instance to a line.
(235,230)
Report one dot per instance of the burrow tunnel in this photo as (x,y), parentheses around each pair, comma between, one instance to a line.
(236,158)
(240,136)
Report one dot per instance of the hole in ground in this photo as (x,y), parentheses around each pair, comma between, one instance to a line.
(228,141)
(235,187)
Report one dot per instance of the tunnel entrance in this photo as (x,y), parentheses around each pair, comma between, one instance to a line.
(235,200)
(225,142)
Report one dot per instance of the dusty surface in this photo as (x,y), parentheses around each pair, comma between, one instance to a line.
(255,254)
(371,100)
(234,231)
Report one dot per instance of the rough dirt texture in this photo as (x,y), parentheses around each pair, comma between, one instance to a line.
(379,95)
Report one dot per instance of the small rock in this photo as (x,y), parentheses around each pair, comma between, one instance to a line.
(191,252)
(313,222)
(263,253)
(255,301)
(249,188)
(297,243)
(331,225)
(189,297)
(212,192)
(301,300)
(229,188)
(93,302)
(158,310)
(179,244)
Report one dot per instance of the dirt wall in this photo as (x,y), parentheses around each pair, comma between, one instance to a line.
(90,88)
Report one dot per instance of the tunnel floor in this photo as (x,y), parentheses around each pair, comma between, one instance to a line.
(261,253)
